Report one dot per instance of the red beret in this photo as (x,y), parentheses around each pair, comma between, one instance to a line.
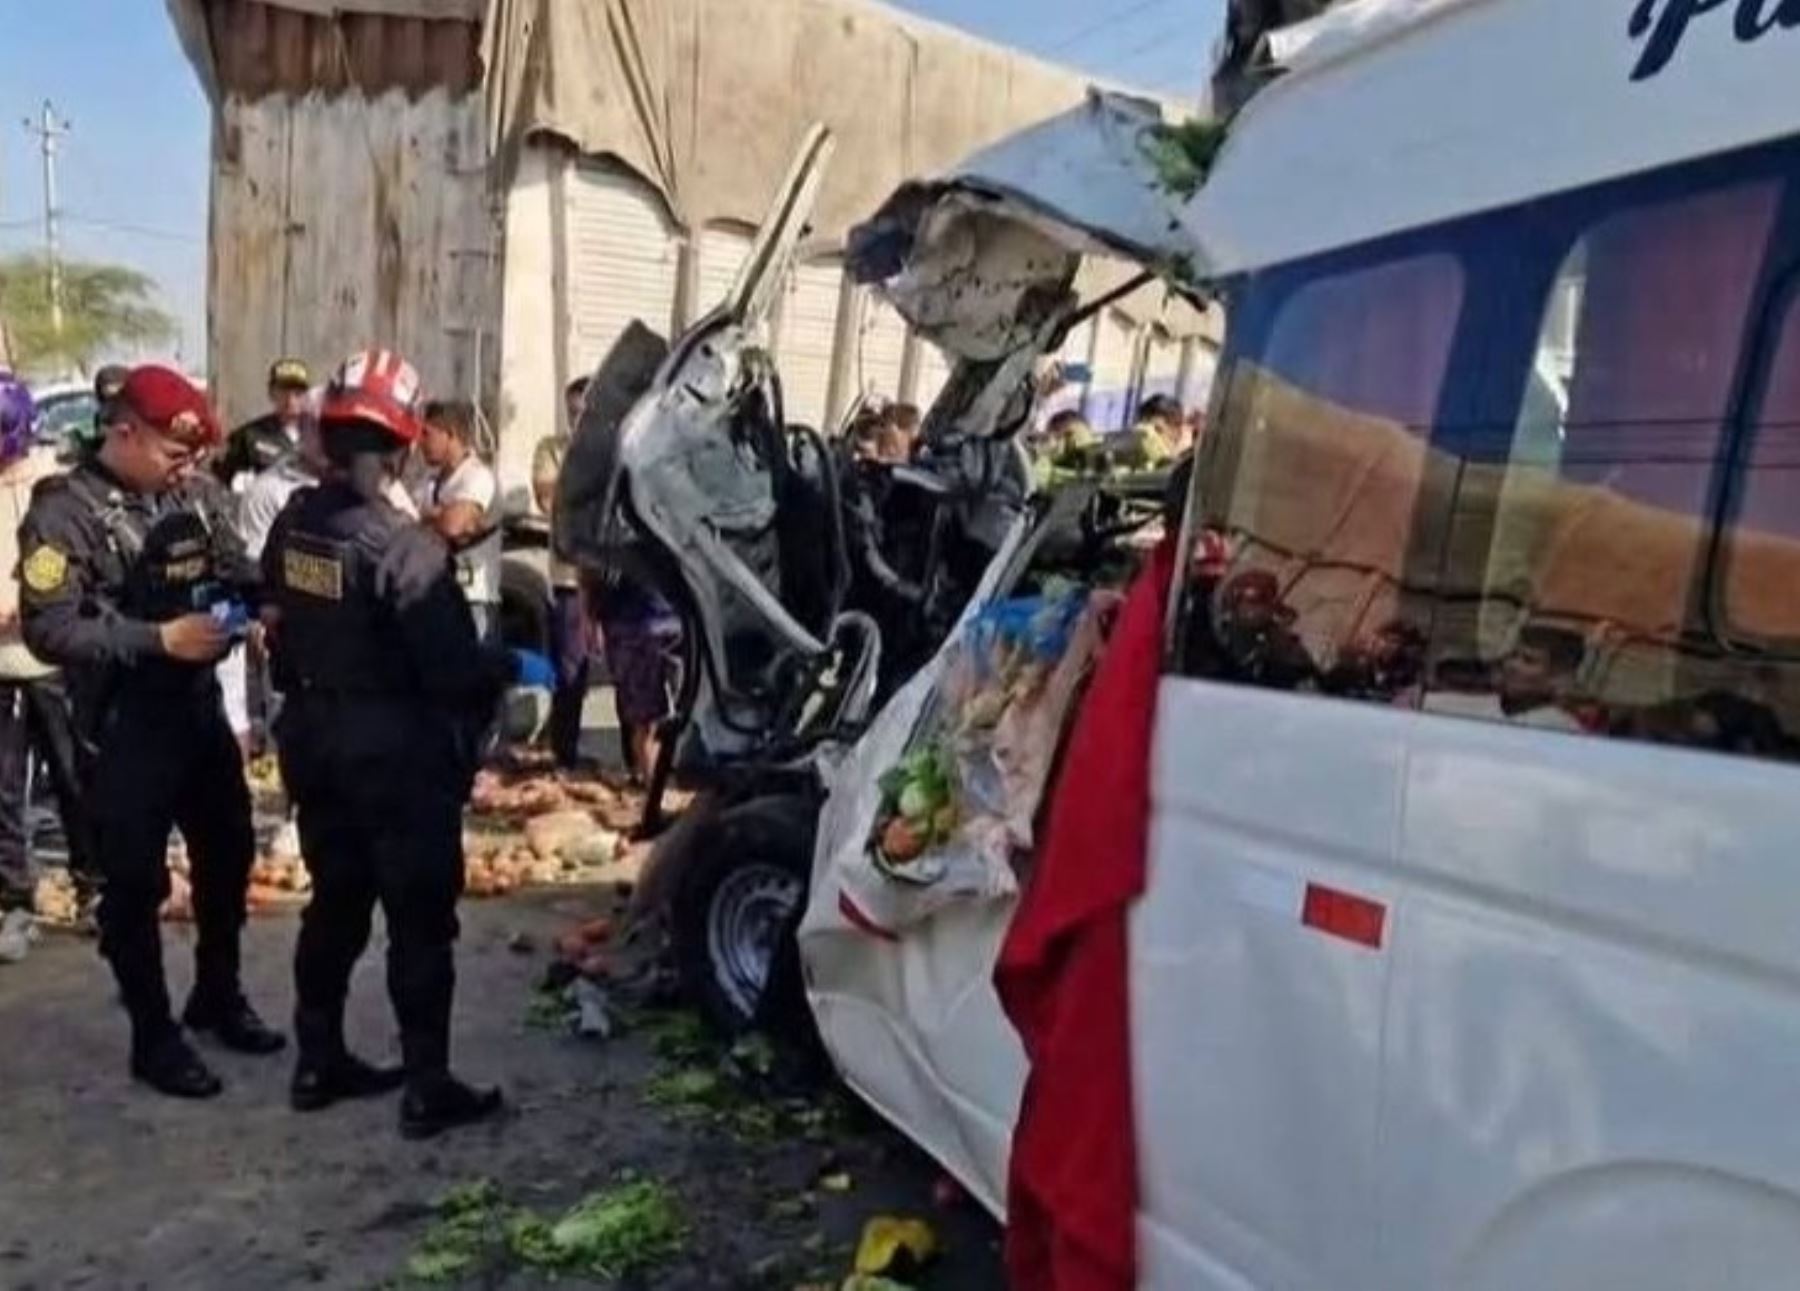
(169,402)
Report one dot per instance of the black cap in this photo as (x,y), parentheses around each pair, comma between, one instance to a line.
(1160,405)
(289,374)
(109,380)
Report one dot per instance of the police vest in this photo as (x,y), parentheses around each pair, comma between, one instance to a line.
(335,635)
(162,564)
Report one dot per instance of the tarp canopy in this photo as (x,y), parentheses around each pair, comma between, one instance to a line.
(706,99)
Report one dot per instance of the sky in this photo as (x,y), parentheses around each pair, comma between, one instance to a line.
(132,174)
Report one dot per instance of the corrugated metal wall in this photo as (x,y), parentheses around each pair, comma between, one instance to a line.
(343,222)
(624,261)
(806,340)
(349,199)
(882,337)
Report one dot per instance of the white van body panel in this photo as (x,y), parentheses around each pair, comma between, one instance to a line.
(1256,1042)
(1565,1053)
(1569,1066)
(914,1024)
(1476,105)
(1590,1044)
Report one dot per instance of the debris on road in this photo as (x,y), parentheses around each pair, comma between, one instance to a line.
(890,1245)
(18,931)
(593,1011)
(614,1233)
(745,1170)
(55,900)
(947,1193)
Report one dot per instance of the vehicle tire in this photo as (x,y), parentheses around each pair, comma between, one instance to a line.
(735,913)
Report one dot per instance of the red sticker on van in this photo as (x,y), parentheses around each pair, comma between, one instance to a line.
(1340,914)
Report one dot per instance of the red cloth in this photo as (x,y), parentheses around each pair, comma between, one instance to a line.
(1072,1194)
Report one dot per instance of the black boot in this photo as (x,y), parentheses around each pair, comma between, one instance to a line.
(169,1065)
(230,1020)
(442,1102)
(320,1082)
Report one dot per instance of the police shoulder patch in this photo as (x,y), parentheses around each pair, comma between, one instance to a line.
(313,575)
(45,569)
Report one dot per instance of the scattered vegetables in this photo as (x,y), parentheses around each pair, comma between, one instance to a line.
(1183,155)
(918,805)
(688,1089)
(614,1233)
(899,1246)
(681,1037)
(55,900)
(611,1234)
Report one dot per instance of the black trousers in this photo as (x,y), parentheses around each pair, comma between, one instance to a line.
(570,640)
(164,762)
(379,795)
(35,720)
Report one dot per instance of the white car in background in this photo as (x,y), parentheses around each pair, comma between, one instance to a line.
(64,408)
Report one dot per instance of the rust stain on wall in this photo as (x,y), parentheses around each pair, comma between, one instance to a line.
(263,49)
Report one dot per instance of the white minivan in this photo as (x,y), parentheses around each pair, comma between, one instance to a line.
(1470,955)
(1509,417)
(1471,951)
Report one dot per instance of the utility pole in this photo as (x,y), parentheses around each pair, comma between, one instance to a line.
(49,130)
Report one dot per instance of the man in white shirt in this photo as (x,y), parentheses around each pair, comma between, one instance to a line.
(261,494)
(1530,687)
(464,507)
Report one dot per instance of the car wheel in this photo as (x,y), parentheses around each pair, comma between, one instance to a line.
(736,911)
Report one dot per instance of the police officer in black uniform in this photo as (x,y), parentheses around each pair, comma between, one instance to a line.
(129,575)
(273,437)
(387,691)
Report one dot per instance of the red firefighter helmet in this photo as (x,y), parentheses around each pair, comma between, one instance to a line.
(378,387)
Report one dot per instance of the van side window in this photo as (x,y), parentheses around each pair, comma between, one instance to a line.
(1305,520)
(1761,579)
(1574,593)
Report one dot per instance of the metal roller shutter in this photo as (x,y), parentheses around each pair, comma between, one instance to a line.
(1162,368)
(881,341)
(1076,350)
(623,260)
(1203,365)
(722,253)
(807,337)
(1109,398)
(934,372)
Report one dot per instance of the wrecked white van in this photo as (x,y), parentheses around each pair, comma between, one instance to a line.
(1468,954)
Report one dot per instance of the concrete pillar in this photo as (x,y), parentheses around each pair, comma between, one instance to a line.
(846,337)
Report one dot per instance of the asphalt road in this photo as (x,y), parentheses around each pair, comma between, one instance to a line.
(103,1185)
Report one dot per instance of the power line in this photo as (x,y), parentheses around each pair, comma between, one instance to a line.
(1160,40)
(1094,28)
(141,230)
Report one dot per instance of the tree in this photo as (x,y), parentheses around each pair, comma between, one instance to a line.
(104,307)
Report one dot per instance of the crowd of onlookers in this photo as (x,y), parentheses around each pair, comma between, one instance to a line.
(1063,441)
(451,486)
